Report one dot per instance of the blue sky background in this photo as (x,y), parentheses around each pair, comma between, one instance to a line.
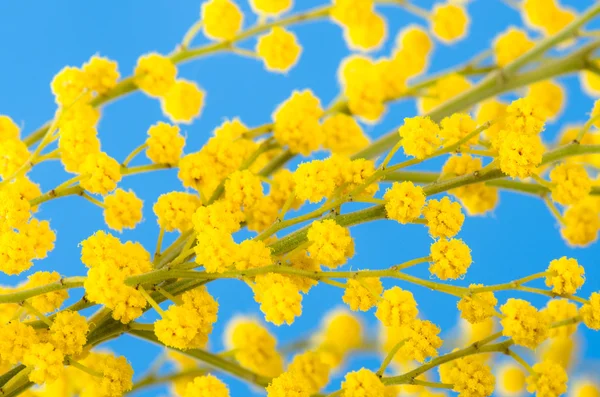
(38,38)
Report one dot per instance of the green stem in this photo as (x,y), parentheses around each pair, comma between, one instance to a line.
(132,155)
(389,357)
(22,295)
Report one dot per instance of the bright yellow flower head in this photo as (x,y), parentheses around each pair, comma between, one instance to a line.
(107,286)
(206,386)
(76,142)
(314,181)
(26,189)
(350,12)
(13,154)
(362,383)
(279,297)
(404,201)
(444,217)
(510,45)
(586,388)
(101,74)
(271,7)
(297,122)
(422,340)
(116,378)
(449,22)
(368,33)
(279,49)
(524,323)
(219,215)
(571,183)
(420,136)
(68,332)
(311,368)
(414,39)
(364,86)
(444,89)
(549,97)
(183,102)
(393,76)
(69,85)
(331,244)
(450,258)
(17,251)
(520,154)
(511,380)
(560,310)
(525,116)
(252,254)
(565,275)
(8,128)
(254,346)
(477,308)
(581,223)
(590,312)
(397,308)
(362,294)
(215,250)
(341,332)
(122,209)
(243,189)
(457,127)
(46,362)
(221,19)
(50,301)
(549,380)
(16,339)
(289,383)
(491,110)
(40,236)
(343,135)
(15,211)
(165,144)
(155,74)
(471,378)
(100,172)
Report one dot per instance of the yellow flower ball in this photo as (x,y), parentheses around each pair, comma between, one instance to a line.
(449,22)
(279,49)
(183,102)
(101,74)
(100,173)
(510,45)
(420,136)
(165,144)
(221,19)
(444,217)
(271,8)
(122,209)
(155,74)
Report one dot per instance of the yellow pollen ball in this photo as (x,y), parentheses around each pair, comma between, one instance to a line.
(571,183)
(549,380)
(404,202)
(221,19)
(101,74)
(420,136)
(279,49)
(524,323)
(155,74)
(362,294)
(565,276)
(122,209)
(444,217)
(165,144)
(510,45)
(362,383)
(183,102)
(331,244)
(396,308)
(450,258)
(449,22)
